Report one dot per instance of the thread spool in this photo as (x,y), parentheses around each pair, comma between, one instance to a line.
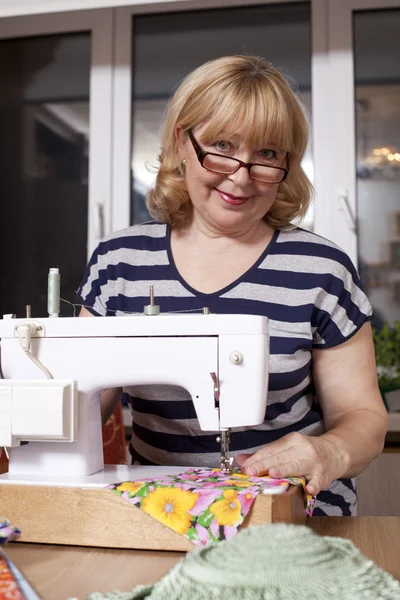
(53,293)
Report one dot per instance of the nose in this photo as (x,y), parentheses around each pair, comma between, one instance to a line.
(241,177)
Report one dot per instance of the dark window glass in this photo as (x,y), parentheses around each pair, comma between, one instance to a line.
(44,156)
(377,91)
(168,46)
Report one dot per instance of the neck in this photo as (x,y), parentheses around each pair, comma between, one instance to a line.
(200,230)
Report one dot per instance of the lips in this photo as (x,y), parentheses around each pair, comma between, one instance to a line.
(231,199)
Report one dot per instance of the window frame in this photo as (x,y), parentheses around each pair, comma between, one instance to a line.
(339,222)
(122,120)
(100,25)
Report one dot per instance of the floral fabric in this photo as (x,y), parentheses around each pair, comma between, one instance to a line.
(203,505)
(8,533)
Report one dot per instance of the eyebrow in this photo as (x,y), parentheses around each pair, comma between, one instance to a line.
(235,137)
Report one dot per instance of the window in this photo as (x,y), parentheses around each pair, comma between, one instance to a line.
(377,117)
(168,46)
(55,156)
(44,122)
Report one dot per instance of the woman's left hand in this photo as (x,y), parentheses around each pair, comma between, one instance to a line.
(319,459)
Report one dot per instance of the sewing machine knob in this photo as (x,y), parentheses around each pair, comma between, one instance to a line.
(236,358)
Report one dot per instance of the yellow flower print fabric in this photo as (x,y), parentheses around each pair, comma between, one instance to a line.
(171,506)
(203,505)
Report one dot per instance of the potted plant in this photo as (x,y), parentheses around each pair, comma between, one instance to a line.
(387,354)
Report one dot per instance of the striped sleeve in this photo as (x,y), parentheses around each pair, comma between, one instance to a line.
(342,306)
(89,291)
(121,268)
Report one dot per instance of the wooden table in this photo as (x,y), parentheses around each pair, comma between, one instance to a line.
(59,572)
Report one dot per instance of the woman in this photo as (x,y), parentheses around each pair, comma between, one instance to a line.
(229,186)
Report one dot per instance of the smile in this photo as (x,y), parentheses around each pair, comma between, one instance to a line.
(230,199)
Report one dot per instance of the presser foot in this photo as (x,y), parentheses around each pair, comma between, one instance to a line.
(225,462)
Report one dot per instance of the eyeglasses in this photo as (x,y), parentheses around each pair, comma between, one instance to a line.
(217,163)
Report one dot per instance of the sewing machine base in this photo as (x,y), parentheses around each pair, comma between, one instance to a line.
(110,474)
(94,516)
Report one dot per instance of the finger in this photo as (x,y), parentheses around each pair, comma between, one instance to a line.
(264,465)
(273,449)
(241,458)
(255,470)
(292,468)
(262,462)
(315,485)
(295,469)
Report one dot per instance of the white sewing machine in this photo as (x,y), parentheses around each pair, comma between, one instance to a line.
(54,370)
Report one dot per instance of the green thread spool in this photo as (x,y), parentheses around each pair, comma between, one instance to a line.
(53,293)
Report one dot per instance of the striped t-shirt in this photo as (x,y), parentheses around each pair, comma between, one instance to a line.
(304,284)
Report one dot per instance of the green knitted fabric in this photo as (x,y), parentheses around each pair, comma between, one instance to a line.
(271,562)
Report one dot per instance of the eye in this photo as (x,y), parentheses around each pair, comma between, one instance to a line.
(223,145)
(269,154)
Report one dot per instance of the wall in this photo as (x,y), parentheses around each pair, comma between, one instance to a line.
(12,8)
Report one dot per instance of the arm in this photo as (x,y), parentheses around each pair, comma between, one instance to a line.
(347,388)
(354,415)
(109,398)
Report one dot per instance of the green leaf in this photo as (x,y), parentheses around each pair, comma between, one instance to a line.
(143,491)
(192,534)
(205,519)
(212,536)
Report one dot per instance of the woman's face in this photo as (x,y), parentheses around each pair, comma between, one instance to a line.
(229,203)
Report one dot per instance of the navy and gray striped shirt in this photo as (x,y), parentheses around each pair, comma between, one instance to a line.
(304,284)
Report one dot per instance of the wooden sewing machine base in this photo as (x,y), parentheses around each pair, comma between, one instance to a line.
(83,516)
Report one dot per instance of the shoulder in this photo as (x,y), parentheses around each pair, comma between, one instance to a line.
(152,229)
(146,236)
(317,249)
(304,237)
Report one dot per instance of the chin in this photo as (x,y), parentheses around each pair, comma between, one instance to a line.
(232,220)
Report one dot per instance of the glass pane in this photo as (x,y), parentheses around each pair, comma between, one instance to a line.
(168,46)
(44,128)
(377,90)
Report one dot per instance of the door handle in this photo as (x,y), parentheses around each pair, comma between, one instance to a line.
(345,208)
(98,221)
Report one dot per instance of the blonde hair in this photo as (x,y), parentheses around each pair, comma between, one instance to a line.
(234,94)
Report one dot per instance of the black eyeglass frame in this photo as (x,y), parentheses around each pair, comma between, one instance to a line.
(201,155)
